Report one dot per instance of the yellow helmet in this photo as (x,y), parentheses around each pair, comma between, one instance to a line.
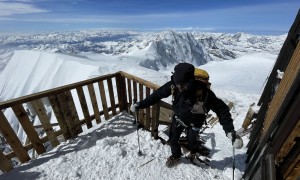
(201,75)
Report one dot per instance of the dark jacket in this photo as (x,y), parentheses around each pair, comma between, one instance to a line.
(183,103)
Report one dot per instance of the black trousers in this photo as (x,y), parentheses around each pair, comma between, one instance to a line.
(175,131)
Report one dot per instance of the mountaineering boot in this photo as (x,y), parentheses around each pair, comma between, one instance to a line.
(194,159)
(171,161)
(191,157)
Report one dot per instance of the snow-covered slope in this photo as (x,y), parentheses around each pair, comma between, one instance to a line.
(33,71)
(246,74)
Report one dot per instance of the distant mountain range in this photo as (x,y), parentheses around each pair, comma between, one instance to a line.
(151,50)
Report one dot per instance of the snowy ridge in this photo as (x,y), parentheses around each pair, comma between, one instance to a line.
(151,50)
(38,71)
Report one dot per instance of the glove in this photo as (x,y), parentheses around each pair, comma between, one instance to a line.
(237,141)
(134,107)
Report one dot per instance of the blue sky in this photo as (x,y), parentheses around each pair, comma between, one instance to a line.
(251,16)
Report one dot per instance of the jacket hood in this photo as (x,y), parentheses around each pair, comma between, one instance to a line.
(183,72)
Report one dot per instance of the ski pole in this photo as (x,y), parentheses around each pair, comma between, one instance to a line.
(233,162)
(135,120)
(137,129)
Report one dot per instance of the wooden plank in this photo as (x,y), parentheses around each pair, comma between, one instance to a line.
(66,114)
(289,76)
(29,146)
(12,139)
(140,80)
(288,143)
(84,107)
(60,116)
(248,118)
(148,120)
(165,115)
(125,100)
(5,164)
(94,103)
(111,96)
(283,59)
(293,171)
(120,91)
(29,129)
(45,121)
(141,111)
(134,91)
(58,90)
(155,120)
(103,99)
(73,111)
(129,92)
(214,120)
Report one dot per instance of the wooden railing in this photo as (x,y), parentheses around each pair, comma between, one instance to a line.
(95,99)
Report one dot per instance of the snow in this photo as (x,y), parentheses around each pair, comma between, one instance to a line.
(255,70)
(109,150)
(279,74)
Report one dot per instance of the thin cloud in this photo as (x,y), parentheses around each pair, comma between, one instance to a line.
(213,14)
(14,8)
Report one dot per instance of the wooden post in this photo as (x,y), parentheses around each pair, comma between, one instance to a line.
(214,120)
(29,129)
(5,164)
(67,114)
(135,90)
(57,109)
(155,119)
(103,99)
(45,121)
(281,93)
(248,118)
(148,110)
(129,92)
(119,91)
(111,96)
(77,125)
(125,101)
(94,103)
(121,88)
(141,111)
(84,107)
(134,87)
(12,139)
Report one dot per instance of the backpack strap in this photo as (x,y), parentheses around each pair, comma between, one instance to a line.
(173,92)
(173,97)
(201,97)
(199,94)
